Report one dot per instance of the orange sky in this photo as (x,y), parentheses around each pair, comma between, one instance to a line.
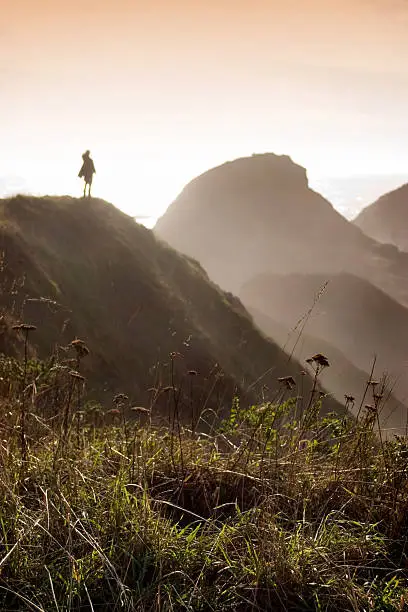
(164,89)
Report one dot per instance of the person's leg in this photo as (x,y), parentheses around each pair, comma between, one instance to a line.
(85,189)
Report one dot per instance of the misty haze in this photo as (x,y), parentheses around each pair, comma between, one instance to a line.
(204,305)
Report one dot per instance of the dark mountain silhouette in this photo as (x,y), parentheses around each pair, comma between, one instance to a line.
(342,377)
(258,214)
(352,315)
(386,219)
(81,268)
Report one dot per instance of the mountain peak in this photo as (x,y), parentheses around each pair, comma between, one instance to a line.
(385,219)
(250,173)
(239,218)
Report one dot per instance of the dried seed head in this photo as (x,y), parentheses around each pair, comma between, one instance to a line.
(120,398)
(140,409)
(349,398)
(24,327)
(321,360)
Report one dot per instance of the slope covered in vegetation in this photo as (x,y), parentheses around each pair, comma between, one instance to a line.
(149,316)
(268,505)
(275,508)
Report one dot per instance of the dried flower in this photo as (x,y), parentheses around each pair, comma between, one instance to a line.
(120,398)
(140,409)
(349,398)
(321,360)
(24,327)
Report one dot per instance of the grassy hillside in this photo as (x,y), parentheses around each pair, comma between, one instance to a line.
(272,504)
(99,512)
(81,268)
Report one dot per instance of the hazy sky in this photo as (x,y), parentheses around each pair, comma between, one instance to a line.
(162,90)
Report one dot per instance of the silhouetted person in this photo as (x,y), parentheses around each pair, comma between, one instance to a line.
(87,171)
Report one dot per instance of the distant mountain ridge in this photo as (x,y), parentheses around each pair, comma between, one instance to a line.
(386,219)
(257,215)
(235,220)
(350,314)
(253,220)
(343,377)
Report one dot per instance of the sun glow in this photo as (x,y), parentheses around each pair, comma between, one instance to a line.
(143,182)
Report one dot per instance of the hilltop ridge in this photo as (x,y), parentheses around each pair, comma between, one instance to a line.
(81,268)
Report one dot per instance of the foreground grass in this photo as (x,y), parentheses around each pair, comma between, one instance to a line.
(276,508)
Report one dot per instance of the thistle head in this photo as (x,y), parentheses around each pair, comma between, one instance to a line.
(120,398)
